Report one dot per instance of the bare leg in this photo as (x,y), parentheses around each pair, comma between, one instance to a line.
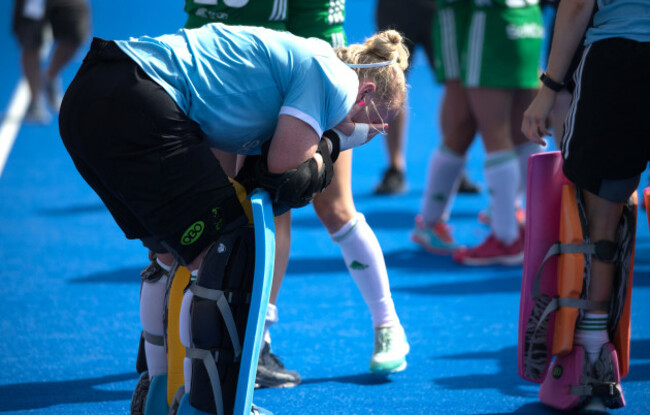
(603,217)
(282,249)
(456,120)
(335,206)
(491,108)
(31,62)
(64,50)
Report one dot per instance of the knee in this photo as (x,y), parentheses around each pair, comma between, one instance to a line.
(333,213)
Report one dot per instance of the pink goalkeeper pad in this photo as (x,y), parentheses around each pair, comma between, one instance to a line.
(543,198)
(566,372)
(563,387)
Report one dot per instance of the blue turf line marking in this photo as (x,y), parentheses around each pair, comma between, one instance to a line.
(11,123)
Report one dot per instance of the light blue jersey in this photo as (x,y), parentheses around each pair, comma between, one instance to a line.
(234,81)
(629,19)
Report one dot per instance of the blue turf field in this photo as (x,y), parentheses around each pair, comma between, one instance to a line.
(69,281)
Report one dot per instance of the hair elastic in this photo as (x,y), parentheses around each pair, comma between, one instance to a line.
(369,65)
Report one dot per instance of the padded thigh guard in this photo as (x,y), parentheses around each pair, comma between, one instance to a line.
(218,316)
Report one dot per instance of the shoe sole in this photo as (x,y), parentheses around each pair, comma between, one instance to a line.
(276,385)
(500,260)
(431,249)
(380,372)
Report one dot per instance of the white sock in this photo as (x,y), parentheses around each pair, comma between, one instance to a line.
(502,179)
(591,334)
(365,262)
(152,300)
(443,178)
(524,151)
(163,266)
(271,319)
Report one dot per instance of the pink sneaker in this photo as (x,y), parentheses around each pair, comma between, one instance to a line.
(435,238)
(492,252)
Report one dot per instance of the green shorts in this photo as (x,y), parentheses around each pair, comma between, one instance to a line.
(503,47)
(449,35)
(271,14)
(322,19)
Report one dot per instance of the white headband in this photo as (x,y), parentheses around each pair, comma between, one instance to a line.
(369,65)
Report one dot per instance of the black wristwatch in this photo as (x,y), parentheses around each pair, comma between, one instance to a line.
(550,83)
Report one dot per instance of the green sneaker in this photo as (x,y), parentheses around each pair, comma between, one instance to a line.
(391,348)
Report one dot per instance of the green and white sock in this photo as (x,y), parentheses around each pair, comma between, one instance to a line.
(591,334)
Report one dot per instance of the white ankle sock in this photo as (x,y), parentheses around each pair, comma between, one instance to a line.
(502,178)
(443,177)
(271,319)
(591,334)
(365,262)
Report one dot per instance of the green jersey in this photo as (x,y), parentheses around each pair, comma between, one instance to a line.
(271,14)
(322,19)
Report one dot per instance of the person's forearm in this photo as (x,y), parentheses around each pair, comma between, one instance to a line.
(570,25)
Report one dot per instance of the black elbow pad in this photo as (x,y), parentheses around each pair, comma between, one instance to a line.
(291,189)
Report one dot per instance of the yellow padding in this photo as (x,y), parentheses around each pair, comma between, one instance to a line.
(243,199)
(175,349)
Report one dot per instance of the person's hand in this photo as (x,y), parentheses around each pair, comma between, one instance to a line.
(536,117)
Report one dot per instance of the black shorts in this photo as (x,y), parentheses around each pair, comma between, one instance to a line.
(607,134)
(69,19)
(412,18)
(147,161)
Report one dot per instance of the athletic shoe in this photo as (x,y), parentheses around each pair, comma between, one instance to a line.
(436,239)
(53,93)
(485,216)
(256,410)
(391,348)
(37,113)
(393,182)
(467,187)
(493,252)
(139,396)
(594,407)
(271,373)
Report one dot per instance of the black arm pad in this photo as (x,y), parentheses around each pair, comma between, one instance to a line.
(291,189)
(336,143)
